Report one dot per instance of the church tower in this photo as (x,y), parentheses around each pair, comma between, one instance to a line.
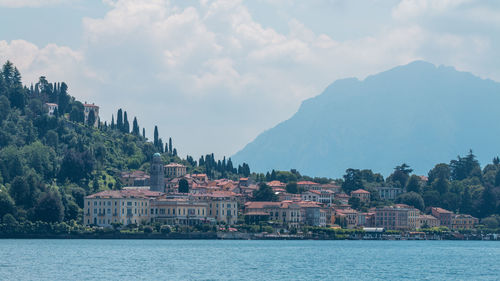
(157,182)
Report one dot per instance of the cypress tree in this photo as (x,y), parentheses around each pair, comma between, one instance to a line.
(160,145)
(135,127)
(126,125)
(119,120)
(170,145)
(155,140)
(112,122)
(143,133)
(175,152)
(166,147)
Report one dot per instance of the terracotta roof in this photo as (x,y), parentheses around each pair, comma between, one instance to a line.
(126,193)
(275,184)
(306,183)
(360,191)
(441,210)
(51,104)
(90,105)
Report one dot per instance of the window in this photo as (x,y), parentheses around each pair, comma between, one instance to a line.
(95,203)
(129,203)
(88,203)
(95,211)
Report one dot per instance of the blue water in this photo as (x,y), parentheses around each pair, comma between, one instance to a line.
(248,260)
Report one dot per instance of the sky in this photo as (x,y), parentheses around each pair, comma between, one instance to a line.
(213,74)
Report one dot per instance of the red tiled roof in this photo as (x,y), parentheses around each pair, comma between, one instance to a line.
(90,105)
(360,191)
(306,183)
(126,193)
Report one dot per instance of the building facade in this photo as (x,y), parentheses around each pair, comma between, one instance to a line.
(175,170)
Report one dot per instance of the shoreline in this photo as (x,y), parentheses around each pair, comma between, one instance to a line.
(233,236)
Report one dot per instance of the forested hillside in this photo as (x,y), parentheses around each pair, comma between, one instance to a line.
(48,164)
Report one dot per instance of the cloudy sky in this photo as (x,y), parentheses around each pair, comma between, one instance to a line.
(214,74)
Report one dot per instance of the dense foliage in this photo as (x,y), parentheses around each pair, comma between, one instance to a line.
(48,164)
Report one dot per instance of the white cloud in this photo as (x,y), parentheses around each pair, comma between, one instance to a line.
(213,77)
(413,8)
(31,3)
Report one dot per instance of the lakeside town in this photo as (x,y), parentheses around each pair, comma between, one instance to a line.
(70,175)
(169,196)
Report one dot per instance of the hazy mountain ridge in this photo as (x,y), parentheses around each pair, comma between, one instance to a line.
(418,113)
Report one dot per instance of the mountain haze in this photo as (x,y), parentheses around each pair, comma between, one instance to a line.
(417,113)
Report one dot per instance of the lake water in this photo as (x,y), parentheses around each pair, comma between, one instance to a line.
(248,260)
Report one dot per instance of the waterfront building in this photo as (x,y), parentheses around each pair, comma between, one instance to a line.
(463,221)
(444,216)
(427,221)
(179,211)
(350,216)
(397,217)
(222,205)
(175,170)
(285,213)
(118,206)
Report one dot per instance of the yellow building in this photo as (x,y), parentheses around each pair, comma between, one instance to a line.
(174,170)
(222,205)
(128,206)
(179,211)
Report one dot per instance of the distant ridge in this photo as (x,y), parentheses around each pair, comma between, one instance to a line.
(417,113)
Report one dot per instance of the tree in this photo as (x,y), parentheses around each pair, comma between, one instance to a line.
(126,125)
(9,220)
(143,133)
(355,202)
(135,127)
(488,202)
(401,174)
(264,193)
(412,199)
(465,167)
(292,187)
(466,202)
(183,186)
(175,152)
(49,207)
(7,205)
(91,118)
(352,180)
(170,145)
(413,184)
(4,108)
(431,198)
(119,120)
(112,122)
(155,139)
(20,191)
(441,185)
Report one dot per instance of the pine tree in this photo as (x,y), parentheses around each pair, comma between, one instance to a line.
(135,127)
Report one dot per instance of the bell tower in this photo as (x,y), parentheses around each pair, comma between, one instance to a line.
(157,182)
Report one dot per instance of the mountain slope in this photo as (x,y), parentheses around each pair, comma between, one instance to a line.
(418,113)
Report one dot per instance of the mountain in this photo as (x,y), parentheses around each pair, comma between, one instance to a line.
(418,113)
